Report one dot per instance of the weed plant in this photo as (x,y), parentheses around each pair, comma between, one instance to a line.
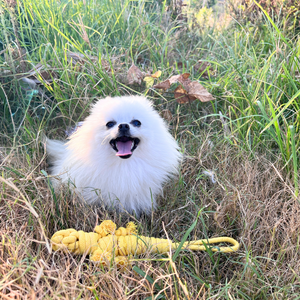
(239,177)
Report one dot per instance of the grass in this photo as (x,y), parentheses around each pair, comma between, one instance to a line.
(247,139)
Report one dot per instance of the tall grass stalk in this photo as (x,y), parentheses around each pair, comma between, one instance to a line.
(295,162)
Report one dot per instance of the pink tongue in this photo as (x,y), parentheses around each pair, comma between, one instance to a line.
(124,148)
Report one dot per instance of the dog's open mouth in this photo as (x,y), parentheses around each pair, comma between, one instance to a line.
(124,146)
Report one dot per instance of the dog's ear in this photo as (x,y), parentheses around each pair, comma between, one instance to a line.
(72,129)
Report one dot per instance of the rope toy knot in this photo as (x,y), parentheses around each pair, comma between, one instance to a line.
(105,228)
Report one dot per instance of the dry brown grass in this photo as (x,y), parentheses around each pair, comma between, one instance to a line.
(252,200)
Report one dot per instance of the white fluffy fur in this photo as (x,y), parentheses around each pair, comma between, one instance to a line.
(90,166)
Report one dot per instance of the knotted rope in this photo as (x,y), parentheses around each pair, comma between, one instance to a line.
(107,243)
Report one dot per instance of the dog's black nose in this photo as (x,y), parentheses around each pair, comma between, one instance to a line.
(124,127)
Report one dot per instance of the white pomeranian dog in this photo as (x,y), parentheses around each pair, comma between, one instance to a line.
(121,155)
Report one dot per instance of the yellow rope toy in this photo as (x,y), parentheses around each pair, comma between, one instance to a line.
(107,242)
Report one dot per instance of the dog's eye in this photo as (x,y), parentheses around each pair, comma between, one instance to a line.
(136,123)
(110,124)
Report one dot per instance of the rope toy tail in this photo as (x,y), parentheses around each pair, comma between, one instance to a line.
(107,243)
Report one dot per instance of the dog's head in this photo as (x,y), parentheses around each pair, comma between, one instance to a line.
(124,126)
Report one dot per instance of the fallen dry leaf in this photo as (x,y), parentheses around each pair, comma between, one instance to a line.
(134,75)
(188,91)
(202,66)
(182,78)
(167,115)
(156,74)
(149,79)
(182,96)
(164,85)
(174,79)
(185,81)
(180,64)
(185,76)
(198,91)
